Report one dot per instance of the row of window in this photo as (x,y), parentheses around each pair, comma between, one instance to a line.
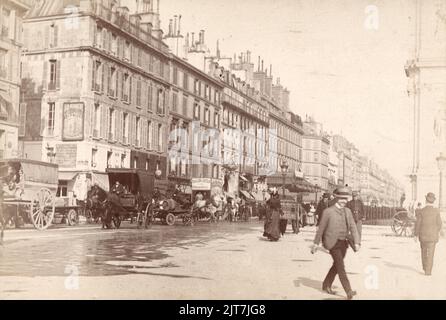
(110,80)
(126,50)
(127,128)
(181,78)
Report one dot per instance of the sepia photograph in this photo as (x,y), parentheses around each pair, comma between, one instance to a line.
(222,150)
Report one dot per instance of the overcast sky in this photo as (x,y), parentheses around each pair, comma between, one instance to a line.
(349,77)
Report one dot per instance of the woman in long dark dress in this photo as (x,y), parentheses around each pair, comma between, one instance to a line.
(272,230)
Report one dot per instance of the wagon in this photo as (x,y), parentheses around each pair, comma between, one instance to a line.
(292,210)
(403,223)
(28,191)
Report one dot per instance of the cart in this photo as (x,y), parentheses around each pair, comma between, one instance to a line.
(403,223)
(28,192)
(292,211)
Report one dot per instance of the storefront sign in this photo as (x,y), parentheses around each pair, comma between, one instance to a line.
(66,155)
(73,121)
(201,184)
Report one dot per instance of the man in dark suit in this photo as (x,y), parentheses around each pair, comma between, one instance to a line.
(427,229)
(335,230)
(357,208)
(322,205)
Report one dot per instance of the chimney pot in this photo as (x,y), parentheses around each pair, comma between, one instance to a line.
(175,26)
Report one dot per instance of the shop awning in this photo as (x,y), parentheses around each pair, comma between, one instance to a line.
(246,195)
(258,196)
(243,178)
(67,176)
(102,180)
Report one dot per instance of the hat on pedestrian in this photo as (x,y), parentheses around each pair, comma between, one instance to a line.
(430,197)
(342,193)
(326,195)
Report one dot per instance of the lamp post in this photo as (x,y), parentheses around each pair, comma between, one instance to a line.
(317,189)
(284,168)
(441,162)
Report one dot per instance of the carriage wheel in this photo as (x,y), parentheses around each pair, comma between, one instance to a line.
(42,209)
(399,223)
(72,217)
(170,219)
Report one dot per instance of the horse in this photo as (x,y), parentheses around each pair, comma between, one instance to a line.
(105,206)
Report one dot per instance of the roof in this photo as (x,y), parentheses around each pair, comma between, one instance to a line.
(292,183)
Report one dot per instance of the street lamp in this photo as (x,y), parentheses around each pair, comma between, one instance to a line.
(441,162)
(284,168)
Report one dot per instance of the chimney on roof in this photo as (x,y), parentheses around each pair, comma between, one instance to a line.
(218,49)
(170,28)
(193,40)
(278,81)
(179,25)
(241,58)
(202,37)
(248,53)
(158,6)
(258,65)
(270,70)
(262,66)
(175,26)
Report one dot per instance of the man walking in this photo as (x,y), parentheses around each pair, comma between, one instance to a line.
(357,208)
(427,229)
(336,229)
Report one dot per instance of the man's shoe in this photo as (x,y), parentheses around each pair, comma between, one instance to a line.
(350,295)
(427,273)
(329,290)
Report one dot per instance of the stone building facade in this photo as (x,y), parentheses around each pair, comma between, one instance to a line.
(11,45)
(96,84)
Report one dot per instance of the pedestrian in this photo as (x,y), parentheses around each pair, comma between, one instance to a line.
(427,229)
(322,205)
(336,230)
(272,231)
(356,206)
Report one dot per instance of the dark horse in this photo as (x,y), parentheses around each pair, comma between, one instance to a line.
(105,206)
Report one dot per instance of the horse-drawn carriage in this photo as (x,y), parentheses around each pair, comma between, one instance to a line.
(28,192)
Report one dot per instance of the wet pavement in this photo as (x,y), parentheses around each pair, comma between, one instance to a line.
(97,252)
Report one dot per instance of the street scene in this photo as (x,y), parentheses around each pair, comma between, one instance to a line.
(163,149)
